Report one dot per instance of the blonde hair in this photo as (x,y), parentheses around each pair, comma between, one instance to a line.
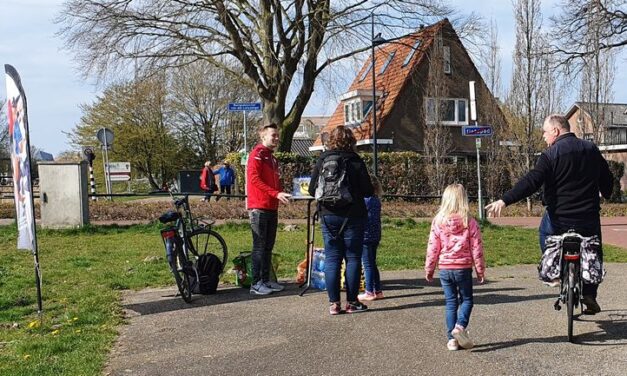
(454,201)
(376,184)
(208,164)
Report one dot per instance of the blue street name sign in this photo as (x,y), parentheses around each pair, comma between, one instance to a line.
(477,131)
(245,106)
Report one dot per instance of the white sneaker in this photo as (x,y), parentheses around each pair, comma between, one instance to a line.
(275,287)
(260,288)
(461,335)
(452,345)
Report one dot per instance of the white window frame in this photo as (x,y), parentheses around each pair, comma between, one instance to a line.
(456,122)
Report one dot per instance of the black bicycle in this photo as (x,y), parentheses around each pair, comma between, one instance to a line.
(185,239)
(570,277)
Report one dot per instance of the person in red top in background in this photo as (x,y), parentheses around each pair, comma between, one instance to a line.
(208,181)
(262,202)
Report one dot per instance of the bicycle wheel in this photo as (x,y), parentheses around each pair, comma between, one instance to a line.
(178,268)
(204,240)
(570,303)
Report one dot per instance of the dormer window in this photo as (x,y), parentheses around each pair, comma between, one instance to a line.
(357,105)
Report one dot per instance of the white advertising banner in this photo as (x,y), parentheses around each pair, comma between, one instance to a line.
(20,159)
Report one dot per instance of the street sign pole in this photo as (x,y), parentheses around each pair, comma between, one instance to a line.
(473,117)
(245,135)
(245,107)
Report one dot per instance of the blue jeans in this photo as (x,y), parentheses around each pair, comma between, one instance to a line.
(590,227)
(371,271)
(342,246)
(263,224)
(457,285)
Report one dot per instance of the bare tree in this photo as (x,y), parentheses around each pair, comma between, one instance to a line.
(4,131)
(200,94)
(533,82)
(597,74)
(491,62)
(607,19)
(271,42)
(438,141)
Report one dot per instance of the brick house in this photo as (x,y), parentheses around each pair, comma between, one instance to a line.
(408,72)
(611,133)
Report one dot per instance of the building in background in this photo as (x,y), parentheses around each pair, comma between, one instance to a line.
(420,79)
(308,129)
(610,135)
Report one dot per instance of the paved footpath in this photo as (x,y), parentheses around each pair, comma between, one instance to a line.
(513,323)
(613,229)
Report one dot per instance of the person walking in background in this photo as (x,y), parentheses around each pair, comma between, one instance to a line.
(227,179)
(262,202)
(372,237)
(207,181)
(339,182)
(455,246)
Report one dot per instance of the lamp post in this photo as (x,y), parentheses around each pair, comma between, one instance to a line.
(376,40)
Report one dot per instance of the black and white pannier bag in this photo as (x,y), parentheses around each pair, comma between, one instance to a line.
(549,268)
(592,269)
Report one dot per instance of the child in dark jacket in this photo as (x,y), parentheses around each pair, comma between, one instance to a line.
(372,237)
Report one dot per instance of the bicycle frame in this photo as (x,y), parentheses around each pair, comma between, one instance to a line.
(570,276)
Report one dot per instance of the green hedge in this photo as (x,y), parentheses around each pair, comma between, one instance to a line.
(403,173)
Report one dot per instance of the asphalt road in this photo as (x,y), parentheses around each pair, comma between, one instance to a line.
(513,323)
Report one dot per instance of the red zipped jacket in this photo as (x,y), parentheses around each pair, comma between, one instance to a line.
(262,179)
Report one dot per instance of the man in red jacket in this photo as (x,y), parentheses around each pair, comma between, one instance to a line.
(262,202)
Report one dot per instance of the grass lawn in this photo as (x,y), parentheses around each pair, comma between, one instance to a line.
(84,270)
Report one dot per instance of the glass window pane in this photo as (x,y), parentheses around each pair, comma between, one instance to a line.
(365,74)
(387,62)
(367,105)
(430,109)
(447,110)
(346,114)
(412,52)
(461,111)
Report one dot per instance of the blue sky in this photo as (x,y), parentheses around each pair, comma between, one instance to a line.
(55,89)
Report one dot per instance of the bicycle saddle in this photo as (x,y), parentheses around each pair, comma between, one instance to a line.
(169,216)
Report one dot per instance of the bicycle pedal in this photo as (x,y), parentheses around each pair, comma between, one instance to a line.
(557,305)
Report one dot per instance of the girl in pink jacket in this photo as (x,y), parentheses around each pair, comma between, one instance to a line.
(455,246)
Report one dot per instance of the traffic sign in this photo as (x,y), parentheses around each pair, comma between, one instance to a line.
(477,131)
(119,171)
(105,136)
(256,106)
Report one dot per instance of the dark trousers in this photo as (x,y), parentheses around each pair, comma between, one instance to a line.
(224,189)
(263,224)
(347,245)
(589,227)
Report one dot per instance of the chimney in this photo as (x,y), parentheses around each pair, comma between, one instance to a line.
(422,26)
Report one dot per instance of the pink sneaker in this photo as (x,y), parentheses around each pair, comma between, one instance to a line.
(335,309)
(366,296)
(378,295)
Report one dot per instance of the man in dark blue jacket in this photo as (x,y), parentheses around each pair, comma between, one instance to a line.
(573,172)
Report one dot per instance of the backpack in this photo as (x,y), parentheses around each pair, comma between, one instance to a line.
(205,280)
(333,186)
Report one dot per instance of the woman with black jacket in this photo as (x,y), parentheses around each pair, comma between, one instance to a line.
(343,223)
